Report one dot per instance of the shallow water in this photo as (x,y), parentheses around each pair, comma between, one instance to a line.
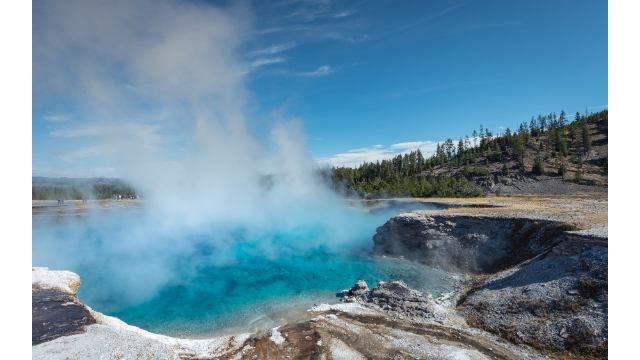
(220,278)
(258,294)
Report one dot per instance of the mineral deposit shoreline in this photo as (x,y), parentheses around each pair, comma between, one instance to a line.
(551,302)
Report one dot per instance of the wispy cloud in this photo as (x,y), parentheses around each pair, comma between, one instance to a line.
(57,118)
(411,145)
(423,20)
(344,13)
(355,157)
(77,132)
(76,155)
(265,61)
(322,70)
(274,49)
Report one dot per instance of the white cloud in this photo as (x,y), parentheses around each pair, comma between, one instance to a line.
(80,132)
(344,13)
(266,61)
(57,118)
(274,49)
(412,145)
(322,70)
(355,157)
(76,155)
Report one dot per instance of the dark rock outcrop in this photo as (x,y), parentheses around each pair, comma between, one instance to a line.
(467,243)
(396,298)
(360,290)
(55,314)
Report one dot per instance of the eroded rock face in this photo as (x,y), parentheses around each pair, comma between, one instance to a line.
(557,301)
(396,298)
(360,290)
(473,244)
(55,314)
(55,308)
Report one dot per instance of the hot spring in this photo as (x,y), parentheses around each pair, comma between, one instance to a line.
(219,280)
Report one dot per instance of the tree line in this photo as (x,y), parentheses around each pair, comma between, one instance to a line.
(79,192)
(411,174)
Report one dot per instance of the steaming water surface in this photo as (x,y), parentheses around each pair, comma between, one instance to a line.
(245,282)
(257,293)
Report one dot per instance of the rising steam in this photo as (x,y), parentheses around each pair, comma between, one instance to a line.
(159,88)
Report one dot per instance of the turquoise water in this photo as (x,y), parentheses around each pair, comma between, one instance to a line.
(257,293)
(220,278)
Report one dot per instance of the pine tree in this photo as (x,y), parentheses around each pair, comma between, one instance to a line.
(505,169)
(586,137)
(562,118)
(538,167)
(578,175)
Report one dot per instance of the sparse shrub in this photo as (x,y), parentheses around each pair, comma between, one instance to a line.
(536,307)
(576,160)
(538,168)
(589,287)
(562,169)
(480,172)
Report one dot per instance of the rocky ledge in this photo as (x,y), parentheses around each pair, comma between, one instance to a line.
(65,328)
(533,280)
(389,322)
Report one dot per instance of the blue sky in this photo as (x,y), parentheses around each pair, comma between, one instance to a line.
(365,80)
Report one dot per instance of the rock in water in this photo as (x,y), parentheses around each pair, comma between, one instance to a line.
(360,290)
(398,295)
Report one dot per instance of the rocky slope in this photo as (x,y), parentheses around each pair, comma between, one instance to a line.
(467,243)
(535,278)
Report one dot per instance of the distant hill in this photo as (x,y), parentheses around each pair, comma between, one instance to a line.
(547,155)
(45,188)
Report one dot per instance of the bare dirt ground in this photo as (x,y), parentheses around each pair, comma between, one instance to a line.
(50,208)
(585,211)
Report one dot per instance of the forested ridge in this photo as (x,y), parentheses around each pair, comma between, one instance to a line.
(77,189)
(548,144)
